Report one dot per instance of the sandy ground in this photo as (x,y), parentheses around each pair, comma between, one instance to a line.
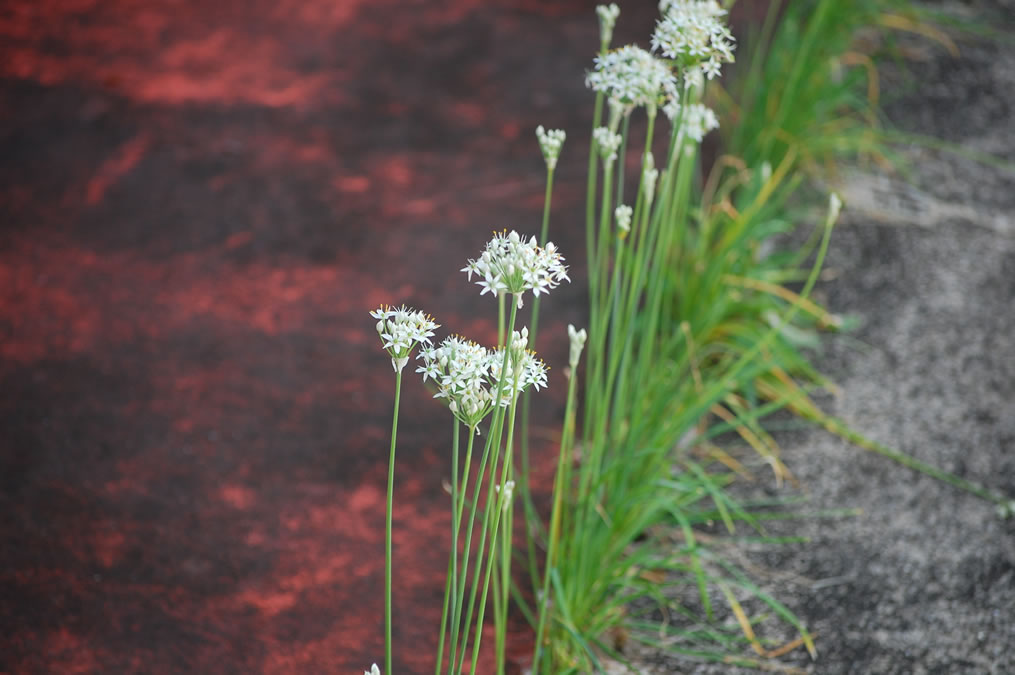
(924,580)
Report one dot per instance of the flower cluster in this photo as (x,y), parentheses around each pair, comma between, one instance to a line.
(608,143)
(374,670)
(463,371)
(523,368)
(607,20)
(550,142)
(401,330)
(512,264)
(697,119)
(631,76)
(469,376)
(693,32)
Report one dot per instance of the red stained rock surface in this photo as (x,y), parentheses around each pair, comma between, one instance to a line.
(201,202)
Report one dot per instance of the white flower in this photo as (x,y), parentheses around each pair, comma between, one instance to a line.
(696,120)
(520,339)
(623,215)
(468,375)
(512,264)
(550,142)
(374,670)
(693,32)
(632,76)
(608,143)
(577,345)
(462,370)
(523,369)
(401,330)
(607,20)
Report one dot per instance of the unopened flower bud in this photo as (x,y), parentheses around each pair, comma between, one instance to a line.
(550,143)
(608,143)
(577,338)
(607,20)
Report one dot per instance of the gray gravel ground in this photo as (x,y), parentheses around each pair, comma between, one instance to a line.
(924,580)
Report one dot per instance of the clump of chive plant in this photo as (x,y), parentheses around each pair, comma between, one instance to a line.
(477,383)
(509,265)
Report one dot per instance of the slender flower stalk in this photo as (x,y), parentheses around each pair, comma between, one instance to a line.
(550,144)
(400,330)
(561,482)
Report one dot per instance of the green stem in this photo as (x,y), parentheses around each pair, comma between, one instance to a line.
(622,158)
(452,577)
(559,488)
(500,616)
(456,622)
(500,319)
(445,618)
(388,664)
(531,517)
(590,196)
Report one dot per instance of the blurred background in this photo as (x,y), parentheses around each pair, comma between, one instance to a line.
(200,204)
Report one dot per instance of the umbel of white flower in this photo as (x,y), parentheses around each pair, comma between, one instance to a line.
(692,32)
(513,264)
(550,143)
(608,144)
(523,368)
(463,372)
(695,119)
(374,670)
(631,76)
(468,375)
(401,330)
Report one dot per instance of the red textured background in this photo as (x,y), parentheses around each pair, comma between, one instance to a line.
(200,202)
